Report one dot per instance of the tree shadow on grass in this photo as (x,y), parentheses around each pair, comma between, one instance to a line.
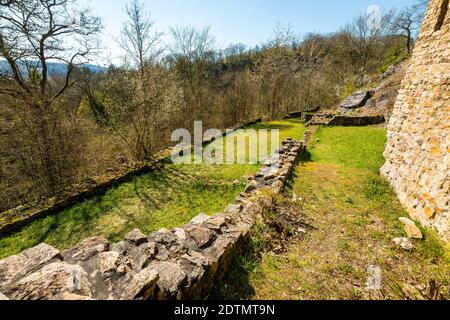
(161,188)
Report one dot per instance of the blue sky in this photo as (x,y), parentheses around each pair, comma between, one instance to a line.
(248,21)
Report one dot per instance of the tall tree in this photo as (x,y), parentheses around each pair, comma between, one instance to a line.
(361,40)
(139,38)
(33,34)
(44,31)
(192,52)
(407,21)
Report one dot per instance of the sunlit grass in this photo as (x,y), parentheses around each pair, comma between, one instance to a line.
(149,202)
(250,145)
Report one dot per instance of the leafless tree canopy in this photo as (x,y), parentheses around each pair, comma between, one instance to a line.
(139,39)
(191,43)
(58,128)
(283,35)
(43,31)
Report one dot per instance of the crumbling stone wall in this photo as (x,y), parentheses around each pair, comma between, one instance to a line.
(184,263)
(417,153)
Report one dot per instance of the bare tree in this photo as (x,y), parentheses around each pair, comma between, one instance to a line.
(235,51)
(138,110)
(407,21)
(139,38)
(191,43)
(361,41)
(284,35)
(34,33)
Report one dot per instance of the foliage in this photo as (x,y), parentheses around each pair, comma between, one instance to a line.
(32,34)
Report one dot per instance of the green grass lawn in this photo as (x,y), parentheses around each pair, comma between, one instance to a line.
(148,202)
(354,215)
(352,147)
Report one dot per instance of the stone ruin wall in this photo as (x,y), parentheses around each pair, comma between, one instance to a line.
(417,152)
(184,263)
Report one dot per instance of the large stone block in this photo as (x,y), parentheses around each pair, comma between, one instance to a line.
(356,100)
(141,286)
(136,237)
(14,268)
(172,280)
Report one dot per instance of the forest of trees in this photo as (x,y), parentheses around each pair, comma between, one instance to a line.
(56,130)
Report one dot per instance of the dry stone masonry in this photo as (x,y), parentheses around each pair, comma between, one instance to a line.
(417,153)
(184,263)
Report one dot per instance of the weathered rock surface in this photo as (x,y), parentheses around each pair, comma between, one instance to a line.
(86,249)
(355,121)
(202,236)
(141,286)
(73,297)
(200,218)
(141,256)
(172,279)
(404,243)
(50,283)
(136,237)
(392,70)
(108,262)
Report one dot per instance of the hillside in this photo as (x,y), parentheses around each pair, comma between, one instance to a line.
(55,69)
(375,99)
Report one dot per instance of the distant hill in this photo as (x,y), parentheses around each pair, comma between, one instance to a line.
(54,68)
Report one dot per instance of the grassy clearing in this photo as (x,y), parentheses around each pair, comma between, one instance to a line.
(356,147)
(148,202)
(287,129)
(354,215)
(259,140)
